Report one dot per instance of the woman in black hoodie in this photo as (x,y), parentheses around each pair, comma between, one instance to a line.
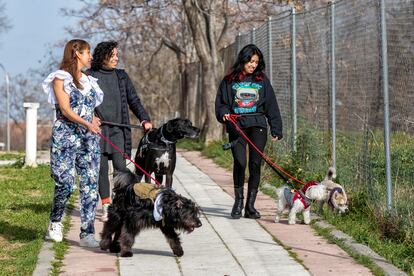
(247,91)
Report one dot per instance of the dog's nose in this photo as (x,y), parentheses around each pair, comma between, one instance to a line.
(199,224)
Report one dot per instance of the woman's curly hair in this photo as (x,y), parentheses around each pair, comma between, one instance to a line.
(101,53)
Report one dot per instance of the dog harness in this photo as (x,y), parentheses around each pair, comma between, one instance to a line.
(291,195)
(146,190)
(150,191)
(146,145)
(336,189)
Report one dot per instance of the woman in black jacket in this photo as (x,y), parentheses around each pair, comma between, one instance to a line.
(120,96)
(247,91)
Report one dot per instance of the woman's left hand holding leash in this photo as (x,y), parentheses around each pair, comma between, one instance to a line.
(94,127)
(275,138)
(147,125)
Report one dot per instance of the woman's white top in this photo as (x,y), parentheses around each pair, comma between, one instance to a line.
(87,82)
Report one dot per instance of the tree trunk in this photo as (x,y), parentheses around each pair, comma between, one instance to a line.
(201,19)
(212,130)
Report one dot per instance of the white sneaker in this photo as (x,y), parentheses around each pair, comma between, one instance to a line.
(105,212)
(55,231)
(89,241)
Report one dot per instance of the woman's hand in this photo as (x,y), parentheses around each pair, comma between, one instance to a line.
(93,127)
(226,117)
(275,138)
(96,121)
(147,125)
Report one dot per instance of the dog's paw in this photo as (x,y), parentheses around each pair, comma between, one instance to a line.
(115,248)
(277,218)
(127,254)
(292,222)
(178,251)
(104,244)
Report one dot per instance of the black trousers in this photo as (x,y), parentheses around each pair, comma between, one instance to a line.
(258,136)
(119,164)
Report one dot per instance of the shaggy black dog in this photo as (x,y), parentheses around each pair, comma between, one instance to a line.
(129,214)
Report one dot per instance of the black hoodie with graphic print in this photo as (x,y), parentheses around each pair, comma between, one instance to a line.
(255,99)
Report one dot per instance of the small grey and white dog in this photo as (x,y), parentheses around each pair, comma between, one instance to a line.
(301,200)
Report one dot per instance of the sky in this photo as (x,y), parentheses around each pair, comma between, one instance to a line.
(35,25)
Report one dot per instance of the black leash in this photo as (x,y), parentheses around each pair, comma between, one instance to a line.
(120,125)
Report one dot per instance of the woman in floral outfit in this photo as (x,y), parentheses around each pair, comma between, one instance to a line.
(75,146)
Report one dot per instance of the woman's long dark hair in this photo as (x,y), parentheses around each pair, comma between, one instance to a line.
(102,52)
(245,55)
(69,61)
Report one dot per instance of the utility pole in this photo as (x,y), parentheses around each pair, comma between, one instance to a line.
(7,106)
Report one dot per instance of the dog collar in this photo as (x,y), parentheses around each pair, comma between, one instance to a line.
(166,141)
(157,213)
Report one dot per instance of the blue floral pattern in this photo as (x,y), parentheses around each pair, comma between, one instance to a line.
(76,151)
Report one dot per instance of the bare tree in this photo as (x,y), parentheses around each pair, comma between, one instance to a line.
(201,18)
(4,20)
(159,38)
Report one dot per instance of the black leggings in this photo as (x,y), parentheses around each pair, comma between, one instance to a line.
(258,136)
(119,164)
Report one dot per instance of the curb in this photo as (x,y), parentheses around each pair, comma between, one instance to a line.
(388,269)
(44,261)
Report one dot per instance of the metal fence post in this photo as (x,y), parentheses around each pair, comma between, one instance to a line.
(7,78)
(333,84)
(386,103)
(269,37)
(294,101)
(253,34)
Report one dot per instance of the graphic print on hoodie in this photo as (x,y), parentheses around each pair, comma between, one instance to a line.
(246,97)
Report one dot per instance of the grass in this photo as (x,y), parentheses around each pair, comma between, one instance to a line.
(11,155)
(390,234)
(25,204)
(25,201)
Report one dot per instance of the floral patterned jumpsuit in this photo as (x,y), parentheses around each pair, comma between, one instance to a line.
(75,150)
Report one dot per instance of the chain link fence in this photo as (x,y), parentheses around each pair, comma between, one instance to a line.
(358,147)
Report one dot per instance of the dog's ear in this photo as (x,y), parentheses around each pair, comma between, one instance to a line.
(179,204)
(169,127)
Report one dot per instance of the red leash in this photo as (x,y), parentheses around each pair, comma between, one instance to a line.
(232,119)
(129,158)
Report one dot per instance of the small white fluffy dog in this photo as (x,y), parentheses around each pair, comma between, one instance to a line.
(300,201)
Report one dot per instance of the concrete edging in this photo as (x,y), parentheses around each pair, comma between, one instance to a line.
(388,268)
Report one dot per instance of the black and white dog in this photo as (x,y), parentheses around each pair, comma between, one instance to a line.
(157,149)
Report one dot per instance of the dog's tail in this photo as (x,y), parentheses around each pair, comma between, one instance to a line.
(278,191)
(331,174)
(123,179)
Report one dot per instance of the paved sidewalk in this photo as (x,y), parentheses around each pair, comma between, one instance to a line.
(222,246)
(318,255)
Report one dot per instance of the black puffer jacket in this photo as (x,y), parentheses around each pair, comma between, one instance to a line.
(129,99)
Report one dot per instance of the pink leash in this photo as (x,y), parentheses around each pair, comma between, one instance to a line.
(129,158)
